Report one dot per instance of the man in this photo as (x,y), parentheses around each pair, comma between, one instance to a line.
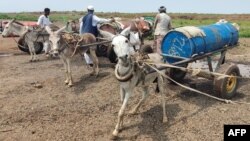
(43,21)
(89,25)
(162,25)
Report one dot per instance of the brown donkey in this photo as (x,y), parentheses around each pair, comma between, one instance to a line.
(66,45)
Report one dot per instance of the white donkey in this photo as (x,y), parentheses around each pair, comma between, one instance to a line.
(131,75)
(30,36)
(65,49)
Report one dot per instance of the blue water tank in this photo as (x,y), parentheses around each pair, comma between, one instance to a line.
(189,41)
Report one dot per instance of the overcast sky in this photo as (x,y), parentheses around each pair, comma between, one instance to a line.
(130,6)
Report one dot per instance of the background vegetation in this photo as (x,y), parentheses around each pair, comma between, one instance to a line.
(179,19)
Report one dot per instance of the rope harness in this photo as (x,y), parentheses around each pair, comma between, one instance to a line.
(71,40)
(24,35)
(197,91)
(142,63)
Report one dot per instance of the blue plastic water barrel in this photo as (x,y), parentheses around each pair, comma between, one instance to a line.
(187,42)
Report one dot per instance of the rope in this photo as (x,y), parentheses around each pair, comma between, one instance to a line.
(76,47)
(197,91)
(193,70)
(107,39)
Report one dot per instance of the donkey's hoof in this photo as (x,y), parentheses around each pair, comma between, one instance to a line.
(70,85)
(115,133)
(66,82)
(132,112)
(31,60)
(97,73)
(164,120)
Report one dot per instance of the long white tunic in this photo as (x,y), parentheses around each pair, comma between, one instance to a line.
(43,21)
(162,26)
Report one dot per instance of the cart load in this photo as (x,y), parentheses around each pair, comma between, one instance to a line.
(189,41)
(188,44)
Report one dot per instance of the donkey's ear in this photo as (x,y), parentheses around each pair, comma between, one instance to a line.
(126,31)
(48,29)
(13,20)
(137,20)
(61,29)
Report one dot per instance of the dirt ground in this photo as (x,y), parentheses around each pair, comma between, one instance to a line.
(88,111)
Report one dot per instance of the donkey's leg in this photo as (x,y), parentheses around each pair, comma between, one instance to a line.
(31,46)
(95,62)
(121,113)
(66,68)
(161,83)
(144,96)
(34,52)
(122,93)
(47,48)
(69,72)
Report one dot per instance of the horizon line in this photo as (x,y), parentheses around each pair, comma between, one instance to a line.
(129,12)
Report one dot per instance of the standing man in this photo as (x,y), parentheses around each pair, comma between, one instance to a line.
(89,25)
(43,21)
(162,25)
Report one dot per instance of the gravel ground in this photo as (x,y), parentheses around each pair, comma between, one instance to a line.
(36,105)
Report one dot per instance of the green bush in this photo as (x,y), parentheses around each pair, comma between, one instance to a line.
(4,16)
(178,19)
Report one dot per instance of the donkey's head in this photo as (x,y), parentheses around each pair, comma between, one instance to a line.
(123,44)
(74,26)
(55,39)
(12,27)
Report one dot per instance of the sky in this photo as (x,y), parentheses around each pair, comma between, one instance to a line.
(130,6)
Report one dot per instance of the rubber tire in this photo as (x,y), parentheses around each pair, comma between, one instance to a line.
(220,84)
(146,49)
(38,46)
(101,50)
(111,55)
(177,74)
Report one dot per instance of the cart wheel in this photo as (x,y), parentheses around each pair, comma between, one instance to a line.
(226,87)
(101,50)
(111,55)
(177,74)
(38,47)
(24,47)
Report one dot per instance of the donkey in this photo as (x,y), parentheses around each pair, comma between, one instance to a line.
(138,25)
(66,45)
(30,36)
(131,75)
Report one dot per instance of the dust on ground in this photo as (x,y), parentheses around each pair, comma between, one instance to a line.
(88,111)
